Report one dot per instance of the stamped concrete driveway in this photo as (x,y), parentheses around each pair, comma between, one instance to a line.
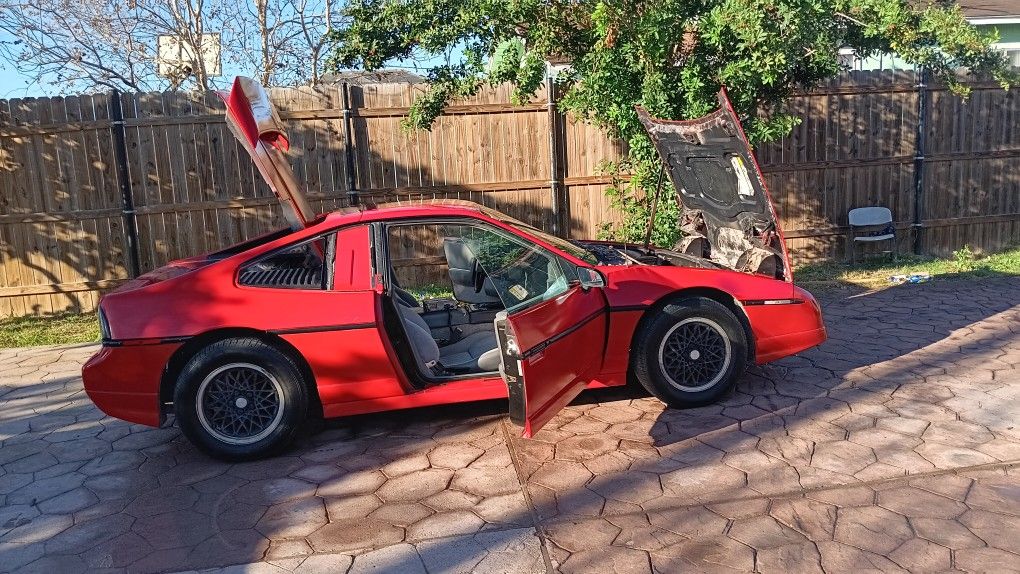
(895,446)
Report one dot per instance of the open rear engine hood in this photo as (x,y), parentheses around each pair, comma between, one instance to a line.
(728,216)
(253,120)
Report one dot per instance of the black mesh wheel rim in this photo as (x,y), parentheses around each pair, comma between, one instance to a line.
(695,354)
(240,403)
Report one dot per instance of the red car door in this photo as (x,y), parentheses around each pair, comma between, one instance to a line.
(551,350)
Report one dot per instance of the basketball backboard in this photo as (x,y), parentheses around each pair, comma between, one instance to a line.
(177,58)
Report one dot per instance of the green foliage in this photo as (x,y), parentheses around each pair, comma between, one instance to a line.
(506,61)
(445,82)
(964,258)
(633,195)
(669,56)
(431,291)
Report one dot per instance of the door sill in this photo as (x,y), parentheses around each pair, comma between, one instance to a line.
(430,382)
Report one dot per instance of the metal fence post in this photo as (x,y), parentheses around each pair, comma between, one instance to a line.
(560,222)
(127,201)
(352,181)
(920,148)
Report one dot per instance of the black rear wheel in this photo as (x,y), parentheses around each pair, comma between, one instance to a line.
(240,399)
(690,353)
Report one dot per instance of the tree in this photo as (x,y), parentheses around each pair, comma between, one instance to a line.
(670,56)
(283,39)
(73,46)
(104,44)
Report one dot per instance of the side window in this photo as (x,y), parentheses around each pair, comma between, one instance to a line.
(522,273)
(300,266)
(418,261)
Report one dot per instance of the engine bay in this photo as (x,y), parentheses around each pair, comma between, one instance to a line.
(621,254)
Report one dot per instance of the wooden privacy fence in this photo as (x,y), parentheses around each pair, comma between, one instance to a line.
(948,168)
(94,189)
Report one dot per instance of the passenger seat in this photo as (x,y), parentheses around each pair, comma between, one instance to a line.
(477,352)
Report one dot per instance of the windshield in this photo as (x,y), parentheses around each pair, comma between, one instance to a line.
(557,242)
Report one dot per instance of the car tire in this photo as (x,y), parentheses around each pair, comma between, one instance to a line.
(241,399)
(690,353)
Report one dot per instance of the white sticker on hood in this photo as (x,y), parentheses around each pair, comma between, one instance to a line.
(744,187)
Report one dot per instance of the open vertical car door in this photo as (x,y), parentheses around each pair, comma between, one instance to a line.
(728,216)
(550,352)
(255,123)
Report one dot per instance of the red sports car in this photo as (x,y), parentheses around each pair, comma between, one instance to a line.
(326,319)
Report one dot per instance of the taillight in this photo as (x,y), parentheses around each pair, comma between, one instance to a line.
(104,326)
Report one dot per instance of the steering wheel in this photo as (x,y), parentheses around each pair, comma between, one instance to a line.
(477,276)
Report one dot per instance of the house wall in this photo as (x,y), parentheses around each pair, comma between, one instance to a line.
(1007,32)
(1009,40)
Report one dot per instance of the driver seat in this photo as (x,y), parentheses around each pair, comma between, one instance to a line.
(462,263)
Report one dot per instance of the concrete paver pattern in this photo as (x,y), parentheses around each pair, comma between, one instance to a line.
(894,447)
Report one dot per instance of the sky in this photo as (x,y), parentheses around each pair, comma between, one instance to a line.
(15,85)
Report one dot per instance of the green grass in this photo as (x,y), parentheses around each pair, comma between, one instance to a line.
(875,271)
(62,329)
(432,291)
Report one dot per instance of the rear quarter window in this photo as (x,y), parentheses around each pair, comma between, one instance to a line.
(300,266)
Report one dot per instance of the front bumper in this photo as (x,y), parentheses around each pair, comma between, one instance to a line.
(124,382)
(781,346)
(782,330)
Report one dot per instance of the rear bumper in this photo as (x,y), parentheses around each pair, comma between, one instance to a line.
(124,382)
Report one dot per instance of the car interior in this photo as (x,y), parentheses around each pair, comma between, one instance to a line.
(470,274)
(449,334)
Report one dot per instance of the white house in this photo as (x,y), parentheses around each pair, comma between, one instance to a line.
(1000,15)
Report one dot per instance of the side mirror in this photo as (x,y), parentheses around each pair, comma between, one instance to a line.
(589,278)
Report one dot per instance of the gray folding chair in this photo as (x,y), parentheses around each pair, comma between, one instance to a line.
(869,225)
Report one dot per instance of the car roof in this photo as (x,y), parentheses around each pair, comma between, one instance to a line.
(426,207)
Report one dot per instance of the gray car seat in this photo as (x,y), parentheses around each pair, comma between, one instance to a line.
(477,352)
(404,298)
(462,262)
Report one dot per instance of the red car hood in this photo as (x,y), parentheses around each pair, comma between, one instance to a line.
(728,215)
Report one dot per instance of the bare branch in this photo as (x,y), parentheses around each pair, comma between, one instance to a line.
(103,44)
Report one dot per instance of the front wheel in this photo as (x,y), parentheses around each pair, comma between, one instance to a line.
(690,353)
(240,399)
